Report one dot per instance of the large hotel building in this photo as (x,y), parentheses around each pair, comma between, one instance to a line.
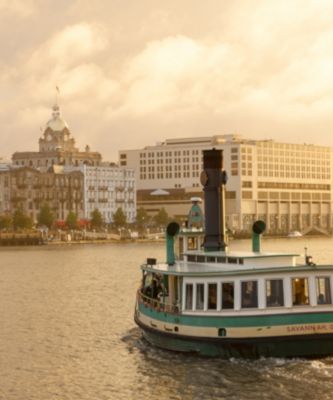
(289,186)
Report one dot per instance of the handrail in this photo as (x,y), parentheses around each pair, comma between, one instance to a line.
(156,304)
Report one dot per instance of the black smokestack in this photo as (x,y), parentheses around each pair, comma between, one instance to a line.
(213,178)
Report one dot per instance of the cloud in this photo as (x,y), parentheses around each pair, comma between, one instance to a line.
(17,8)
(133,76)
(74,44)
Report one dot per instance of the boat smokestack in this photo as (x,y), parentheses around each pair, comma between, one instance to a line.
(257,229)
(171,231)
(213,179)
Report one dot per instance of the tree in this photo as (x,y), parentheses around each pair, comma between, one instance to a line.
(21,220)
(46,216)
(71,220)
(161,218)
(142,218)
(6,221)
(119,218)
(96,219)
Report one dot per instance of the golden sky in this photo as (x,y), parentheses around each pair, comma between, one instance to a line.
(134,72)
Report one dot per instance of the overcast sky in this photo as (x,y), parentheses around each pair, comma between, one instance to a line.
(135,72)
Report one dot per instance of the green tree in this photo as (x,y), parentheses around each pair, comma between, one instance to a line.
(96,219)
(6,221)
(71,220)
(21,220)
(161,218)
(119,218)
(142,218)
(46,216)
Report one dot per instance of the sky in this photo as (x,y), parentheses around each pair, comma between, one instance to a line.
(135,72)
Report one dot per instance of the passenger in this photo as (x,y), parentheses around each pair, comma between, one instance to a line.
(154,289)
(321,299)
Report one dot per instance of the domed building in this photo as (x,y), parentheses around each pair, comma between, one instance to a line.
(56,147)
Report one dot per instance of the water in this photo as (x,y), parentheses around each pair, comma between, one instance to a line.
(67,332)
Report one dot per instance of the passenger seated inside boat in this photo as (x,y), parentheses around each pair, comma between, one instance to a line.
(300,291)
(321,299)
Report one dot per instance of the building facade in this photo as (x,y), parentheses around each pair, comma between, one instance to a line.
(289,186)
(29,189)
(107,188)
(66,179)
(56,147)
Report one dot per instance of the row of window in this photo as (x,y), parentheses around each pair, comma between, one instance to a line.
(222,296)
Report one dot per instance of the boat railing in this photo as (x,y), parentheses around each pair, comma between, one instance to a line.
(161,305)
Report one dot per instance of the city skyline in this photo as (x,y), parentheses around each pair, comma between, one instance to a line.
(133,74)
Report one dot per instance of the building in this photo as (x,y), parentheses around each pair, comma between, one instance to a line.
(289,186)
(65,178)
(56,147)
(4,187)
(28,189)
(107,188)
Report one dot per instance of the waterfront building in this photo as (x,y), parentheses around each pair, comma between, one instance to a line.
(289,186)
(107,188)
(28,189)
(65,178)
(56,147)
(4,187)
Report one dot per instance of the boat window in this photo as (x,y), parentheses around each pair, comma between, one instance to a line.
(227,295)
(240,261)
(192,243)
(274,293)
(210,259)
(212,296)
(232,260)
(200,258)
(300,290)
(249,294)
(323,289)
(191,258)
(199,304)
(189,296)
(220,259)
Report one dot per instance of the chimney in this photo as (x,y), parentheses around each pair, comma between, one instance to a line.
(213,178)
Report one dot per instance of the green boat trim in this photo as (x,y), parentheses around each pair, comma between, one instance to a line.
(239,321)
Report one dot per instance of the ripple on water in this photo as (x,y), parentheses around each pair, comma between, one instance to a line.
(67,332)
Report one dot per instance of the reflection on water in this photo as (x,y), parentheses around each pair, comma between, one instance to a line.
(67,332)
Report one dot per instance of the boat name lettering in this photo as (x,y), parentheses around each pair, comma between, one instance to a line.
(310,327)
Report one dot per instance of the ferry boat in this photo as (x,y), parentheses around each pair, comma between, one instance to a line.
(213,301)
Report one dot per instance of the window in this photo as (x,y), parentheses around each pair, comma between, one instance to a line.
(212,296)
(323,290)
(199,305)
(227,295)
(274,293)
(189,296)
(300,291)
(250,294)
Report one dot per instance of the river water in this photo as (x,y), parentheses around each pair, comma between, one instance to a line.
(67,332)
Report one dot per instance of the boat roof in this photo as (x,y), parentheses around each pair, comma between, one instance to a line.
(239,254)
(185,268)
